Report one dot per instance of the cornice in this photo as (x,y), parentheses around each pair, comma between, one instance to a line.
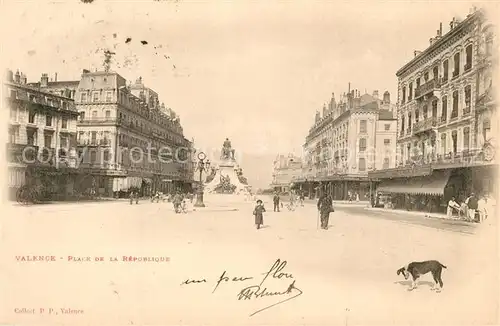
(464,28)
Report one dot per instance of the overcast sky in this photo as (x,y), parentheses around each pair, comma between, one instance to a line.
(255,72)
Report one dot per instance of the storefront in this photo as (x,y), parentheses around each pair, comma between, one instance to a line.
(420,193)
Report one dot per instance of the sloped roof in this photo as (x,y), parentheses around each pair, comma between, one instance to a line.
(366,98)
(385,115)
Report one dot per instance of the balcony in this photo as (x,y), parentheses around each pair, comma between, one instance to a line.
(98,121)
(426,89)
(424,125)
(455,74)
(467,67)
(467,110)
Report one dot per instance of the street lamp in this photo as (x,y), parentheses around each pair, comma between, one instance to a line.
(201,166)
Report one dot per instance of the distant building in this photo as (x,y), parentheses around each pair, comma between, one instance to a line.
(42,137)
(287,169)
(355,135)
(447,119)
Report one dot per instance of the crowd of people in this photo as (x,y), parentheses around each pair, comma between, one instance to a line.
(179,199)
(474,208)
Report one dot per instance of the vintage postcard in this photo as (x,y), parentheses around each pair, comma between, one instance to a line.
(174,162)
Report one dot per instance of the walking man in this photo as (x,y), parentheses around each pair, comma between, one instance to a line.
(471,207)
(276,202)
(325,207)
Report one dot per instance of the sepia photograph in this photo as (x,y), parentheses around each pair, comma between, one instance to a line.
(175,162)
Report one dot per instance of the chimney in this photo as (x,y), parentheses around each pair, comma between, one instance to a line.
(9,75)
(416,52)
(375,94)
(440,29)
(24,79)
(55,77)
(44,81)
(17,77)
(349,89)
(431,40)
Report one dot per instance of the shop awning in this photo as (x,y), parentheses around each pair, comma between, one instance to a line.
(429,185)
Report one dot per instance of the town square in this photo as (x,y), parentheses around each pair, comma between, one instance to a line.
(244,163)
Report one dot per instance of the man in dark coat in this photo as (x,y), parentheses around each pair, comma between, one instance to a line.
(276,202)
(258,213)
(325,207)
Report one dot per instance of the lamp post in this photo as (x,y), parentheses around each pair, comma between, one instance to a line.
(201,166)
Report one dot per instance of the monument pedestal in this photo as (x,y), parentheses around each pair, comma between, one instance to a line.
(226,170)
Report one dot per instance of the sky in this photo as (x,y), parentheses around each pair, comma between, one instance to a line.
(252,71)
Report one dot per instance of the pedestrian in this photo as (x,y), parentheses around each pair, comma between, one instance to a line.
(131,196)
(257,212)
(177,200)
(471,207)
(481,208)
(452,204)
(325,207)
(276,202)
(302,197)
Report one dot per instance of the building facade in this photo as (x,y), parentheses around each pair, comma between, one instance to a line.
(126,139)
(347,140)
(42,137)
(287,169)
(446,119)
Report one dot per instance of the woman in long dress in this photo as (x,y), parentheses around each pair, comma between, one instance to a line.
(258,213)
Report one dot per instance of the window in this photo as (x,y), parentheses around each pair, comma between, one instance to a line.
(388,126)
(467,93)
(64,123)
(362,164)
(454,140)
(94,115)
(426,76)
(82,115)
(362,144)
(387,142)
(468,57)
(486,129)
(404,95)
(108,114)
(424,113)
(434,105)
(466,138)
(402,124)
(362,126)
(456,63)
(417,115)
(31,137)
(83,97)
(106,156)
(454,111)
(410,91)
(418,82)
(107,135)
(94,137)
(93,157)
(80,135)
(409,122)
(47,138)
(13,114)
(108,96)
(435,73)
(13,94)
(64,105)
(445,70)
(444,109)
(48,120)
(443,143)
(64,141)
(95,97)
(386,163)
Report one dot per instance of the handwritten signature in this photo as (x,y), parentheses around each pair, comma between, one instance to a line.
(259,290)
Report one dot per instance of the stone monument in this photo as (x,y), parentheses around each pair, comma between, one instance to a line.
(226,176)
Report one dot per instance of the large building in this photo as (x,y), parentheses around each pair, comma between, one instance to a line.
(287,169)
(348,139)
(42,137)
(446,119)
(126,139)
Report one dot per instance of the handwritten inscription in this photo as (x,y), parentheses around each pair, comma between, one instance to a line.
(259,290)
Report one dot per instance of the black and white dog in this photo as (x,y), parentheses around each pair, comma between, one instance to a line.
(420,268)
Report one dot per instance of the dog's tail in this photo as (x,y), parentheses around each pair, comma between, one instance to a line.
(442,265)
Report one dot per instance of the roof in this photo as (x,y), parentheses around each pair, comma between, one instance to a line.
(370,106)
(385,115)
(366,98)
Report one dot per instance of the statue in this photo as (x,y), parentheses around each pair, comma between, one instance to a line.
(227,151)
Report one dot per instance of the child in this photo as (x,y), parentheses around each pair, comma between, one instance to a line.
(258,210)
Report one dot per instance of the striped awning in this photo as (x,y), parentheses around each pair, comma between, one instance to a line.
(429,185)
